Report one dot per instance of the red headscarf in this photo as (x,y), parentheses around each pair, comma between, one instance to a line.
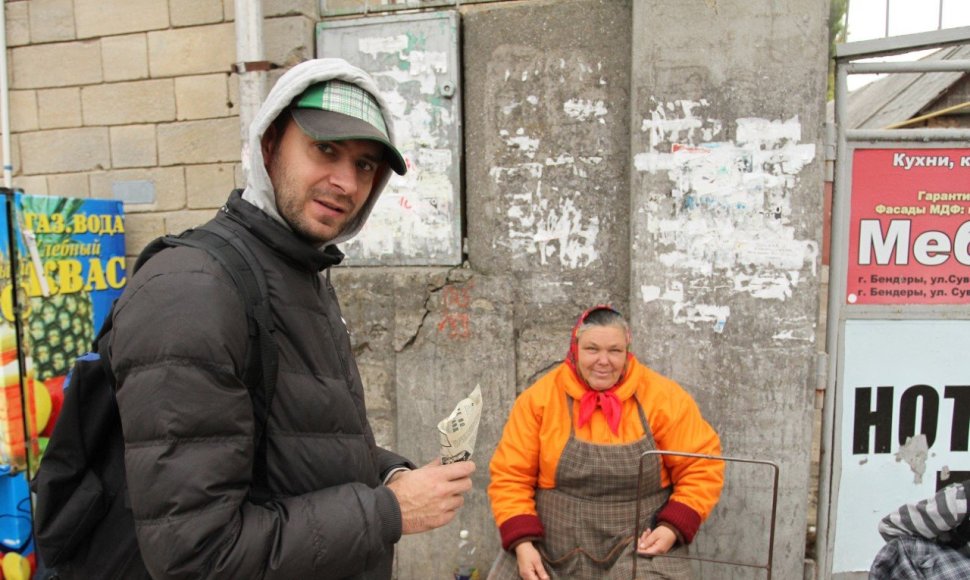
(607,401)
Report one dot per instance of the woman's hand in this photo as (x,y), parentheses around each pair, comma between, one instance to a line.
(656,541)
(530,562)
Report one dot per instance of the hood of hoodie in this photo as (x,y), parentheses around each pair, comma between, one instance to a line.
(259,190)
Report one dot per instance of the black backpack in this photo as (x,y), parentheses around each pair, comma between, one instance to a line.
(83,523)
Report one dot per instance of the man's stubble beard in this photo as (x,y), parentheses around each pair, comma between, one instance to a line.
(291,204)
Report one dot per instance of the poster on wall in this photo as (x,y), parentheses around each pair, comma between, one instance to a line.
(63,264)
(904,416)
(414,59)
(909,230)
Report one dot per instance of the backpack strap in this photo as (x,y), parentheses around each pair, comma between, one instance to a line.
(262,362)
(99,344)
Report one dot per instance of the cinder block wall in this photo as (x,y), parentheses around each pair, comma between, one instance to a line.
(107,92)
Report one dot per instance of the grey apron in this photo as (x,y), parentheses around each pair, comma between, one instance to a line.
(589,515)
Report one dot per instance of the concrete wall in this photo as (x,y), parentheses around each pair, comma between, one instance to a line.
(661,156)
(547,162)
(675,171)
(547,200)
(727,194)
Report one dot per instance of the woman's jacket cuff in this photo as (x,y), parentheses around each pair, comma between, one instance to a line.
(681,517)
(517,528)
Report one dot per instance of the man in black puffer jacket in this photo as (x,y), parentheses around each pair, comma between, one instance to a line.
(321,150)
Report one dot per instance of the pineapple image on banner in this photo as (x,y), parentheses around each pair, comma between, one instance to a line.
(70,267)
(62,265)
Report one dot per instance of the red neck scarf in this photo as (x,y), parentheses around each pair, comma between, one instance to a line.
(607,401)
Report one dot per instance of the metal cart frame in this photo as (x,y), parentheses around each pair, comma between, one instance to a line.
(774,504)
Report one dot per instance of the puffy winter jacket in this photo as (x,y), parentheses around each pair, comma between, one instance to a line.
(179,350)
(542,421)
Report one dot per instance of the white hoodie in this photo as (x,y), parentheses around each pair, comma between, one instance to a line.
(259,190)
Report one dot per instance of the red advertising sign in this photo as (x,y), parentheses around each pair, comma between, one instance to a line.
(909,231)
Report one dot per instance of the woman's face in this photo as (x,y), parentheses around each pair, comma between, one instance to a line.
(602,356)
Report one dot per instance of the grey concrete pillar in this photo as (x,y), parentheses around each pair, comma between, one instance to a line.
(547,162)
(727,105)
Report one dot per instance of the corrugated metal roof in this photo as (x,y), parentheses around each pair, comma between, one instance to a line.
(899,97)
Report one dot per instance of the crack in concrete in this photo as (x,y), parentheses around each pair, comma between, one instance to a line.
(535,376)
(426,309)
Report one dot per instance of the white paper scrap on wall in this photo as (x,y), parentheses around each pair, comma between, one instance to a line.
(584,109)
(548,191)
(733,202)
(377,45)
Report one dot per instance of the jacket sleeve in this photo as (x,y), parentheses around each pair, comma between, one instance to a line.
(388,461)
(929,518)
(677,425)
(178,349)
(514,474)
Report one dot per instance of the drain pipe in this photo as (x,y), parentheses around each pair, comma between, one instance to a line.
(251,68)
(28,238)
(4,100)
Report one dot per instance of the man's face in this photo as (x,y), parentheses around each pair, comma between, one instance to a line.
(320,185)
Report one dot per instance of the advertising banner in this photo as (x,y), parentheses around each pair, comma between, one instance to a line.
(909,230)
(80,248)
(62,264)
(905,418)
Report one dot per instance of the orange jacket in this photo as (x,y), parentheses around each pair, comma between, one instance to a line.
(538,428)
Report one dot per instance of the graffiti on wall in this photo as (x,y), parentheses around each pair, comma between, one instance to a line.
(456,303)
(731,208)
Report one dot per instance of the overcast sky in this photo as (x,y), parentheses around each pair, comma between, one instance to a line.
(867,20)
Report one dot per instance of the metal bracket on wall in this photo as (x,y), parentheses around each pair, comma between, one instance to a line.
(821,371)
(252,66)
(831,150)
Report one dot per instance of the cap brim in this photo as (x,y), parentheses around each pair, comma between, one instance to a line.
(331,126)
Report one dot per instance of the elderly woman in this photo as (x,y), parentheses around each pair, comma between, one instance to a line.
(564,476)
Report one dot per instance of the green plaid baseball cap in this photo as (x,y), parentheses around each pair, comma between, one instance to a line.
(336,110)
